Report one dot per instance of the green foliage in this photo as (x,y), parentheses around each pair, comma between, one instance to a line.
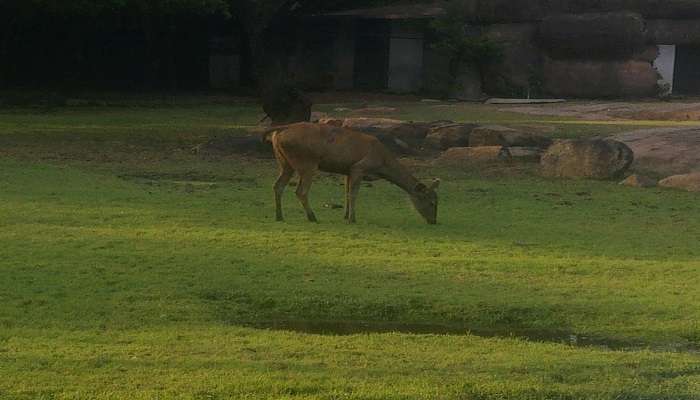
(98,7)
(451,38)
(463,46)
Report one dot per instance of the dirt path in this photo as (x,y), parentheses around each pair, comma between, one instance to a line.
(607,111)
(664,151)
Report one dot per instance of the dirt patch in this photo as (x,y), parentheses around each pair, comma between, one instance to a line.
(664,151)
(360,97)
(609,111)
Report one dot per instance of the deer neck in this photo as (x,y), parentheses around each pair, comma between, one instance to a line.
(399,176)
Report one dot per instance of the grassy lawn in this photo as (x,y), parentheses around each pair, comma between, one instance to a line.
(131,268)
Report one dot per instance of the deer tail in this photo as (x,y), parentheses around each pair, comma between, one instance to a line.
(267,134)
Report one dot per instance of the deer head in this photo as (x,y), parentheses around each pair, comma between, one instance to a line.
(425,201)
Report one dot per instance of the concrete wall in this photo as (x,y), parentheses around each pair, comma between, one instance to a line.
(405,58)
(344,57)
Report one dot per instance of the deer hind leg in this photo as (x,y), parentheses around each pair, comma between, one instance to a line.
(354,181)
(305,180)
(286,173)
(347,196)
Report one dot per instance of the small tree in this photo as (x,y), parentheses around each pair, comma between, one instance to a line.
(452,38)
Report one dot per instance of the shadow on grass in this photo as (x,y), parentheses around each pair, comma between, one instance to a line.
(346,328)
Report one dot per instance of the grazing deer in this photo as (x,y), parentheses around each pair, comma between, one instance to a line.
(305,148)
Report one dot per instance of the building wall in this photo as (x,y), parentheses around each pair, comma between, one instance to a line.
(405,58)
(589,55)
(344,57)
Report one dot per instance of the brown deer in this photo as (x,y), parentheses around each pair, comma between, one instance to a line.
(305,148)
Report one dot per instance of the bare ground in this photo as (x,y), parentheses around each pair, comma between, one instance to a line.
(616,110)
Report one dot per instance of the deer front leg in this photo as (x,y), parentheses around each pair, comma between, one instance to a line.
(305,180)
(354,183)
(347,196)
(286,174)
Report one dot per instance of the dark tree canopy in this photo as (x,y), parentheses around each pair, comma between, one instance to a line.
(139,44)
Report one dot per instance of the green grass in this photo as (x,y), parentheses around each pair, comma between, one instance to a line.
(156,274)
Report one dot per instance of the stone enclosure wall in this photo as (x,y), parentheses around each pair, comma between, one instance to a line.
(584,48)
(561,48)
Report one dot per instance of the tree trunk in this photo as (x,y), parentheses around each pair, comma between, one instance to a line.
(172,55)
(151,64)
(5,63)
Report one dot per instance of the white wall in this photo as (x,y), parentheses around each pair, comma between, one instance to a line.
(665,63)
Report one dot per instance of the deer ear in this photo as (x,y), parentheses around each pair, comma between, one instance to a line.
(420,188)
(435,184)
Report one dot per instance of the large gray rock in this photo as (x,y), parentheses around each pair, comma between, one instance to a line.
(526,154)
(689,182)
(591,159)
(600,78)
(447,136)
(616,35)
(639,181)
(410,132)
(674,31)
(460,156)
(495,135)
(331,121)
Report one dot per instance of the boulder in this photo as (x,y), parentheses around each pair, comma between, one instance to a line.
(331,121)
(317,116)
(394,144)
(458,156)
(495,135)
(594,78)
(648,54)
(526,154)
(441,123)
(373,111)
(592,159)
(610,36)
(489,11)
(674,31)
(639,181)
(410,132)
(689,182)
(447,136)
